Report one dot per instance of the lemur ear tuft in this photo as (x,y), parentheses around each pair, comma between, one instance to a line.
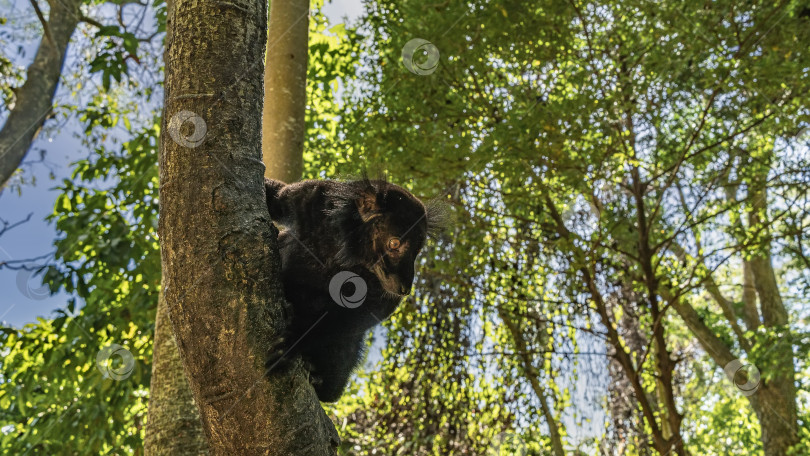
(368,205)
(437,212)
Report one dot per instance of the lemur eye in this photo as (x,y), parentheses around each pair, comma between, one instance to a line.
(393,243)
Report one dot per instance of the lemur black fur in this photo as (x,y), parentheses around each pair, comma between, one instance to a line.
(372,229)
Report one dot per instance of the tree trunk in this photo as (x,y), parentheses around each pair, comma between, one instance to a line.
(174,425)
(534,380)
(775,401)
(775,406)
(285,85)
(774,398)
(219,255)
(34,100)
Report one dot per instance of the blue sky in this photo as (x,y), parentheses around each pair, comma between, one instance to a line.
(22,298)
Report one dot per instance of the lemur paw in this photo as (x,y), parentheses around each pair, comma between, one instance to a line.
(315,380)
(278,356)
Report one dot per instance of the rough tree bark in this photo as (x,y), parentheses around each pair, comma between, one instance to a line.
(173,426)
(285,85)
(34,100)
(219,255)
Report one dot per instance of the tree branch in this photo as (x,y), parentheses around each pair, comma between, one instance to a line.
(534,380)
(35,97)
(714,291)
(661,443)
(45,28)
(716,348)
(764,278)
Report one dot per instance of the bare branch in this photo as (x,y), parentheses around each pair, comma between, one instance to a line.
(7,226)
(41,17)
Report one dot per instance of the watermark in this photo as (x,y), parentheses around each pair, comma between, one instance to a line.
(581,217)
(109,364)
(426,65)
(744,377)
(348,289)
(195,138)
(29,286)
(507,444)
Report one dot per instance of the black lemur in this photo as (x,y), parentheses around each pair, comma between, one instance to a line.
(372,230)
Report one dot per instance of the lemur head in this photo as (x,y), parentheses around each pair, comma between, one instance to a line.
(385,227)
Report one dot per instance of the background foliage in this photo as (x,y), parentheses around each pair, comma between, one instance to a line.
(550,128)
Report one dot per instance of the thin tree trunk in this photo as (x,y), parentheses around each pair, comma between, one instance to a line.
(512,322)
(34,100)
(285,85)
(219,255)
(663,445)
(534,380)
(665,366)
(749,297)
(775,401)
